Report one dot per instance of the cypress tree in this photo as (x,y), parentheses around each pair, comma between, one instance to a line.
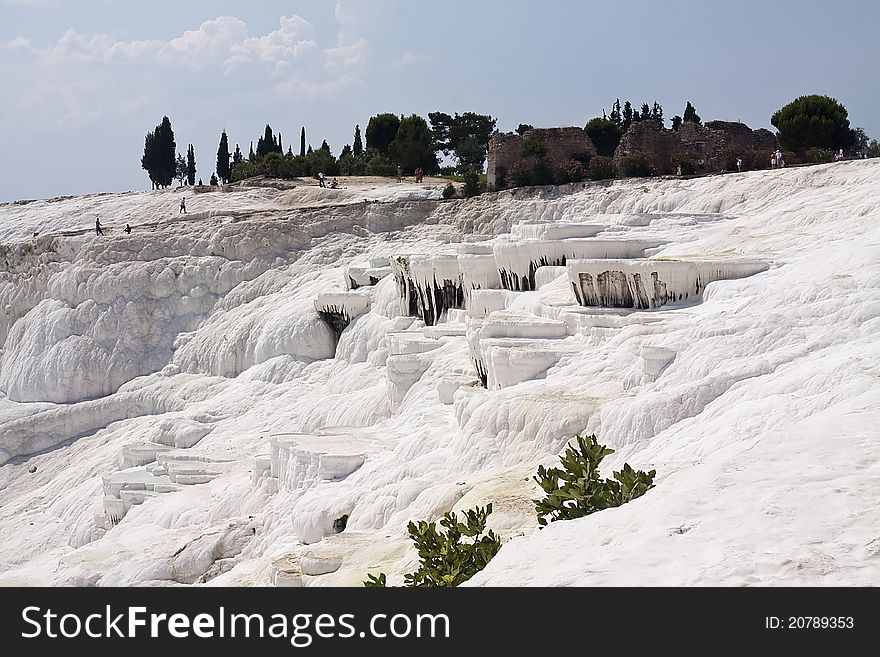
(310,151)
(302,142)
(325,147)
(237,157)
(627,115)
(358,148)
(280,148)
(223,159)
(251,155)
(690,114)
(191,165)
(148,161)
(267,143)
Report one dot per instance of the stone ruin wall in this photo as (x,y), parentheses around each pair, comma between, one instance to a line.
(561,143)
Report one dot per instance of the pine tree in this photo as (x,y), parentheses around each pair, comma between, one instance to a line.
(280,148)
(251,155)
(302,142)
(266,144)
(346,151)
(615,113)
(310,151)
(159,157)
(690,114)
(148,161)
(676,122)
(237,157)
(646,112)
(657,114)
(223,159)
(191,165)
(180,169)
(627,115)
(289,151)
(358,147)
(325,147)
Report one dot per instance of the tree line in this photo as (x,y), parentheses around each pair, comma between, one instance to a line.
(389,141)
(812,128)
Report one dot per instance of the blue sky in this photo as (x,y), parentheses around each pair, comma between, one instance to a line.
(85,80)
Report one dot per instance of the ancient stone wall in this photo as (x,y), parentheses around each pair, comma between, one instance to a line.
(706,147)
(561,144)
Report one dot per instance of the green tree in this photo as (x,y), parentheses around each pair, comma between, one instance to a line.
(180,169)
(160,150)
(690,114)
(346,152)
(812,122)
(223,158)
(466,136)
(646,112)
(214,181)
(605,135)
(657,114)
(302,142)
(268,143)
(413,145)
(237,157)
(381,131)
(576,490)
(615,113)
(676,122)
(358,147)
(523,128)
(191,165)
(627,116)
(446,560)
(325,147)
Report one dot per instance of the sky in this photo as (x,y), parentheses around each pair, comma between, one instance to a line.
(85,80)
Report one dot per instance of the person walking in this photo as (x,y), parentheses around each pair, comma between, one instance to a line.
(773,160)
(399,173)
(321,179)
(739,164)
(779,161)
(98,230)
(127,228)
(182,206)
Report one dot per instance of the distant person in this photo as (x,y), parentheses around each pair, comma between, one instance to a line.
(98,230)
(779,161)
(127,228)
(182,206)
(419,174)
(399,173)
(739,164)
(773,160)
(321,179)
(334,184)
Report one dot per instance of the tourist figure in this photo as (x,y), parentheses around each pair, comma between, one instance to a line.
(182,206)
(98,230)
(779,161)
(127,228)
(399,173)
(321,179)
(334,184)
(773,160)
(739,164)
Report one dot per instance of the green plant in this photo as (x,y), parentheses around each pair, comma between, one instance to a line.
(471,182)
(576,490)
(819,155)
(532,148)
(636,166)
(810,121)
(570,171)
(373,582)
(449,191)
(447,560)
(601,168)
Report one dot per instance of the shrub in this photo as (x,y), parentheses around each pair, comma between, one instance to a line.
(818,155)
(570,171)
(810,121)
(471,182)
(601,168)
(445,559)
(636,166)
(688,168)
(449,191)
(577,491)
(532,148)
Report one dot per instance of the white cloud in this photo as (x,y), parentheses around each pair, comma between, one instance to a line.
(18,43)
(406,60)
(208,45)
(277,49)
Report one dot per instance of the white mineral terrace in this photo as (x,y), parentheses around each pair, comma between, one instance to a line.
(206,401)
(650,283)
